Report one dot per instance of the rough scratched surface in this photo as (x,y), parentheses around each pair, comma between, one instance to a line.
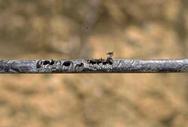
(93,66)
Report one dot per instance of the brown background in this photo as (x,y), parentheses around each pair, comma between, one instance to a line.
(59,29)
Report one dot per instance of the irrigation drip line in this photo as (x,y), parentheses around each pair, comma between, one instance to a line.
(108,65)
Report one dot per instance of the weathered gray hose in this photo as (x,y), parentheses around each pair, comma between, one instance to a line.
(94,66)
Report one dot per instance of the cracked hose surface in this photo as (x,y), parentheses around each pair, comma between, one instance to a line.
(94,66)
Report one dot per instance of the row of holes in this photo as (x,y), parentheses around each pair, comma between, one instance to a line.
(99,61)
(52,62)
(68,63)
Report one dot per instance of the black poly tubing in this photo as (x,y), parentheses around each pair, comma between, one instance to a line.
(94,66)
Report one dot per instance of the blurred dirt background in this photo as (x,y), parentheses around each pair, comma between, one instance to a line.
(59,29)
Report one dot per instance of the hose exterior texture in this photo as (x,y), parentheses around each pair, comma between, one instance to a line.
(94,66)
